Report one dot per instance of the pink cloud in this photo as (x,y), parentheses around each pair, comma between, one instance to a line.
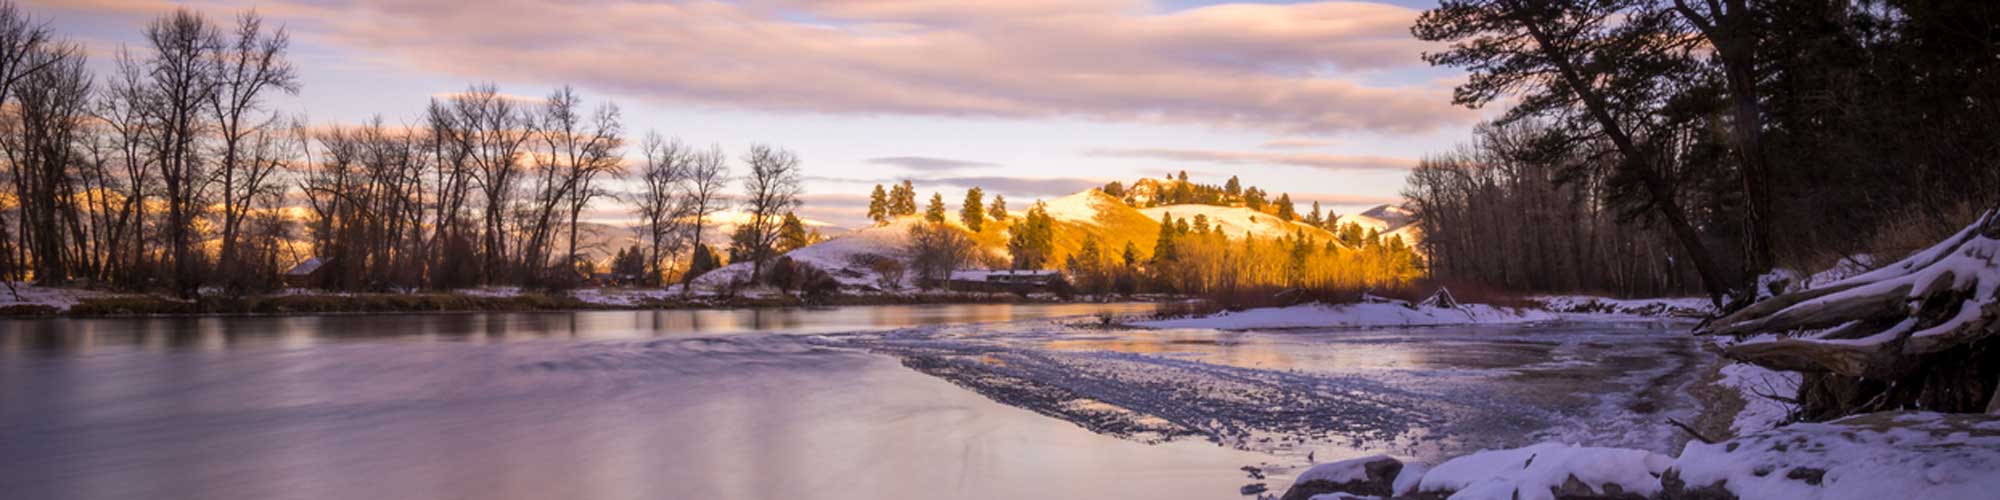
(1286,68)
(1311,160)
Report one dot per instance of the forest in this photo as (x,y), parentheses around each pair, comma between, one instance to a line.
(173,175)
(1653,147)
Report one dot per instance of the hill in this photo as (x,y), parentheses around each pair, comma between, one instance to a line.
(1237,221)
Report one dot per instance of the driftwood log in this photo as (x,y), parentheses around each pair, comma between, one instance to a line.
(1917,334)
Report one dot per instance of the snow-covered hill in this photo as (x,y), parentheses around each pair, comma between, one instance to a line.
(1236,221)
(837,256)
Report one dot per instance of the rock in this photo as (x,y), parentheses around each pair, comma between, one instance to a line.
(1252,489)
(1370,476)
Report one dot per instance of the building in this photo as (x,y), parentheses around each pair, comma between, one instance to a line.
(307,274)
(1016,281)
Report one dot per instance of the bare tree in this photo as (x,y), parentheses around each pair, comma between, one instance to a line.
(51,104)
(573,151)
(122,109)
(707,177)
(21,38)
(248,66)
(182,71)
(488,134)
(771,190)
(662,203)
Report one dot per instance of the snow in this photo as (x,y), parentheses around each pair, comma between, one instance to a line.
(1237,221)
(625,297)
(1531,473)
(491,291)
(1080,207)
(1755,383)
(1893,455)
(27,294)
(835,256)
(1356,315)
(1584,304)
(1344,471)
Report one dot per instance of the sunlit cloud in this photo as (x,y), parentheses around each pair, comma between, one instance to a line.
(929,164)
(1310,160)
(1287,68)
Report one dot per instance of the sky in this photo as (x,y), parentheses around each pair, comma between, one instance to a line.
(1327,101)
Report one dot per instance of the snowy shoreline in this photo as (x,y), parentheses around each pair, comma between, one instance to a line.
(1403,314)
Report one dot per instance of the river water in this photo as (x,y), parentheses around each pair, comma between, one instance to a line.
(766,404)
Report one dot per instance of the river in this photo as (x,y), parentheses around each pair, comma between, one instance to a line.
(838,403)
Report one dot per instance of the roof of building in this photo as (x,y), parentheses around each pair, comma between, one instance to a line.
(306,267)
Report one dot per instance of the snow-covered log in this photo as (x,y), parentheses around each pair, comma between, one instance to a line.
(1900,325)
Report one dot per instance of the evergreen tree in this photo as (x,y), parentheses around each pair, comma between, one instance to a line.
(1130,256)
(1286,211)
(703,261)
(903,200)
(1032,242)
(1234,187)
(998,211)
(1163,249)
(973,211)
(1115,189)
(878,206)
(1253,198)
(792,234)
(1313,218)
(934,213)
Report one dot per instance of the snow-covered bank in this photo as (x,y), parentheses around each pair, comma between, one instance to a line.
(1880,455)
(1685,307)
(1357,315)
(30,296)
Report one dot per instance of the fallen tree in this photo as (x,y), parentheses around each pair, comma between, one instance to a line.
(1917,334)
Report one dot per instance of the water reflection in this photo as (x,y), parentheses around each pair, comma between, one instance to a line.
(85,335)
(452,406)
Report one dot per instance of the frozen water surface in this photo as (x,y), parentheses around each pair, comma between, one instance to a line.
(874,402)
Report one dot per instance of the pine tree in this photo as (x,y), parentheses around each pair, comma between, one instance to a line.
(1115,189)
(934,213)
(1254,199)
(792,234)
(703,261)
(903,200)
(1233,187)
(998,211)
(1163,249)
(973,211)
(1130,255)
(1286,211)
(1313,218)
(878,206)
(1033,240)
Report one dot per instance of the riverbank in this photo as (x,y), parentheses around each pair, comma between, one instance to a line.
(32,302)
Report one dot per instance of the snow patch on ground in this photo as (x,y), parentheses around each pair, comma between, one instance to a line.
(1535,471)
(1882,455)
(1356,315)
(490,291)
(1755,383)
(1690,307)
(27,294)
(836,256)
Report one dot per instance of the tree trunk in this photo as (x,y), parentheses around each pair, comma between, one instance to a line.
(1917,334)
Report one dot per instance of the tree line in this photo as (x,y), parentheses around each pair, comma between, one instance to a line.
(173,174)
(1742,135)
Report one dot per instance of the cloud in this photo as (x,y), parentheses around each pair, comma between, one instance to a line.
(929,164)
(1345,199)
(1310,160)
(1028,186)
(1287,68)
(1295,143)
